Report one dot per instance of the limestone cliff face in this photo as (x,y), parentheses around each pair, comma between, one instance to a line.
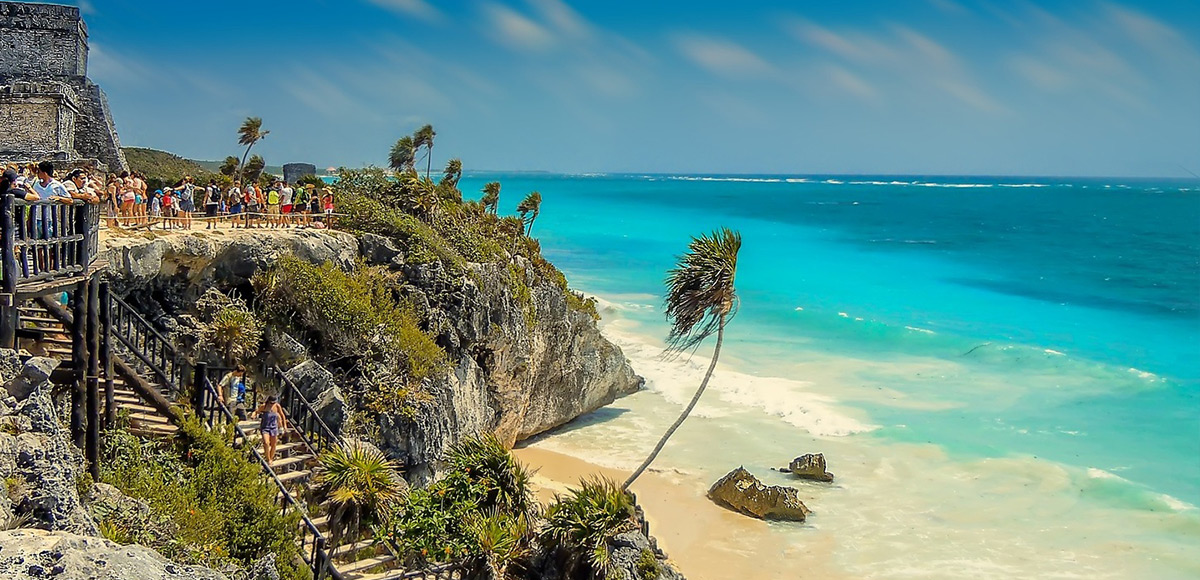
(522,364)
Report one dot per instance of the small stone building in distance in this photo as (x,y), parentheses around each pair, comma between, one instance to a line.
(48,107)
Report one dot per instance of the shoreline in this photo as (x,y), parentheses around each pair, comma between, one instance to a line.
(703,541)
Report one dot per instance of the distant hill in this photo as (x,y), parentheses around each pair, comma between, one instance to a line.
(162,165)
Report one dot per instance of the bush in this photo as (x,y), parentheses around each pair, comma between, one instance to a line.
(210,495)
(584,520)
(481,510)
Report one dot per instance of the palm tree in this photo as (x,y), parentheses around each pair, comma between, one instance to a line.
(491,197)
(403,154)
(452,173)
(230,166)
(700,301)
(252,169)
(424,138)
(249,133)
(529,209)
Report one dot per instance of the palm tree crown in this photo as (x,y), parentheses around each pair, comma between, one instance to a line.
(424,138)
(700,301)
(249,133)
(529,209)
(700,292)
(452,173)
(403,154)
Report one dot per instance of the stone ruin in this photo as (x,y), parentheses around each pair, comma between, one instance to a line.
(292,172)
(49,109)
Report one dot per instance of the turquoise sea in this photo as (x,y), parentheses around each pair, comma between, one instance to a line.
(1004,373)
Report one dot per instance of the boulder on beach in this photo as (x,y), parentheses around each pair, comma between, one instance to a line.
(741,492)
(809,466)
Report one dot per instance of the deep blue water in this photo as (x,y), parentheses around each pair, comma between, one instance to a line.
(1105,271)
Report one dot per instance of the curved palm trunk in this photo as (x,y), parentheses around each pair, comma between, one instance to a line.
(242,167)
(695,399)
(428,161)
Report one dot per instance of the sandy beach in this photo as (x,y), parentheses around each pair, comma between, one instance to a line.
(703,541)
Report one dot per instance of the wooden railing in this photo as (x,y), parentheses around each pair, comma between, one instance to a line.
(313,429)
(47,239)
(149,347)
(314,547)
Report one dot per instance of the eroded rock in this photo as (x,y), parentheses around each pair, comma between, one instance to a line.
(809,466)
(741,492)
(29,553)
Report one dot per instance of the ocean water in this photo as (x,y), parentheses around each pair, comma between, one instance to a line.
(1004,373)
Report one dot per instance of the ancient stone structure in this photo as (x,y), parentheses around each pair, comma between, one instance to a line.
(292,172)
(48,107)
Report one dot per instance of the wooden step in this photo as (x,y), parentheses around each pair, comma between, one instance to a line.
(288,449)
(322,522)
(144,418)
(349,550)
(137,408)
(366,564)
(153,430)
(294,476)
(41,320)
(280,465)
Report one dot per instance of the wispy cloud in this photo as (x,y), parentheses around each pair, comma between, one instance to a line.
(515,30)
(419,9)
(721,56)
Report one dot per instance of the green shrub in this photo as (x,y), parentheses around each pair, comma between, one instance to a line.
(481,510)
(361,483)
(214,499)
(583,521)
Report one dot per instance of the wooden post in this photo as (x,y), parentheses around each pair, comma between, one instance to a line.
(92,447)
(8,274)
(199,391)
(106,338)
(79,363)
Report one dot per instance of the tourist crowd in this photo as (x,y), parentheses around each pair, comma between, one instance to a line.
(128,203)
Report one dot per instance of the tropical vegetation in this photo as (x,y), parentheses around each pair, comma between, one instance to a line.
(249,133)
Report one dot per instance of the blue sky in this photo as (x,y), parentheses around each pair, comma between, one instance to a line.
(914,87)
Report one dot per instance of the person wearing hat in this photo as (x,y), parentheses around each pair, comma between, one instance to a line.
(11,182)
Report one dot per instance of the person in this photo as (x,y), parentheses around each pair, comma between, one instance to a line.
(273,206)
(232,391)
(186,203)
(50,189)
(12,182)
(234,195)
(272,422)
(285,204)
(79,186)
(327,205)
(212,204)
(156,204)
(128,199)
(112,200)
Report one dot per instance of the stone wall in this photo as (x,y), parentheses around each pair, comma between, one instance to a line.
(292,172)
(49,108)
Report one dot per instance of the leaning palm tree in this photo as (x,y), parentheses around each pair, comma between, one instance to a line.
(491,197)
(403,154)
(424,138)
(230,166)
(249,133)
(700,301)
(529,209)
(452,173)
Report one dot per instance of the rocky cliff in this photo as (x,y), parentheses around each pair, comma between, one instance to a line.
(522,363)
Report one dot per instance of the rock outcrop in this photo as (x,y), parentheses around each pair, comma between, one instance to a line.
(742,492)
(809,466)
(40,470)
(29,553)
(521,363)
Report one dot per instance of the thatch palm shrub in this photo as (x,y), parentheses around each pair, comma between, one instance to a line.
(403,154)
(582,522)
(236,332)
(482,468)
(361,483)
(700,301)
(502,540)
